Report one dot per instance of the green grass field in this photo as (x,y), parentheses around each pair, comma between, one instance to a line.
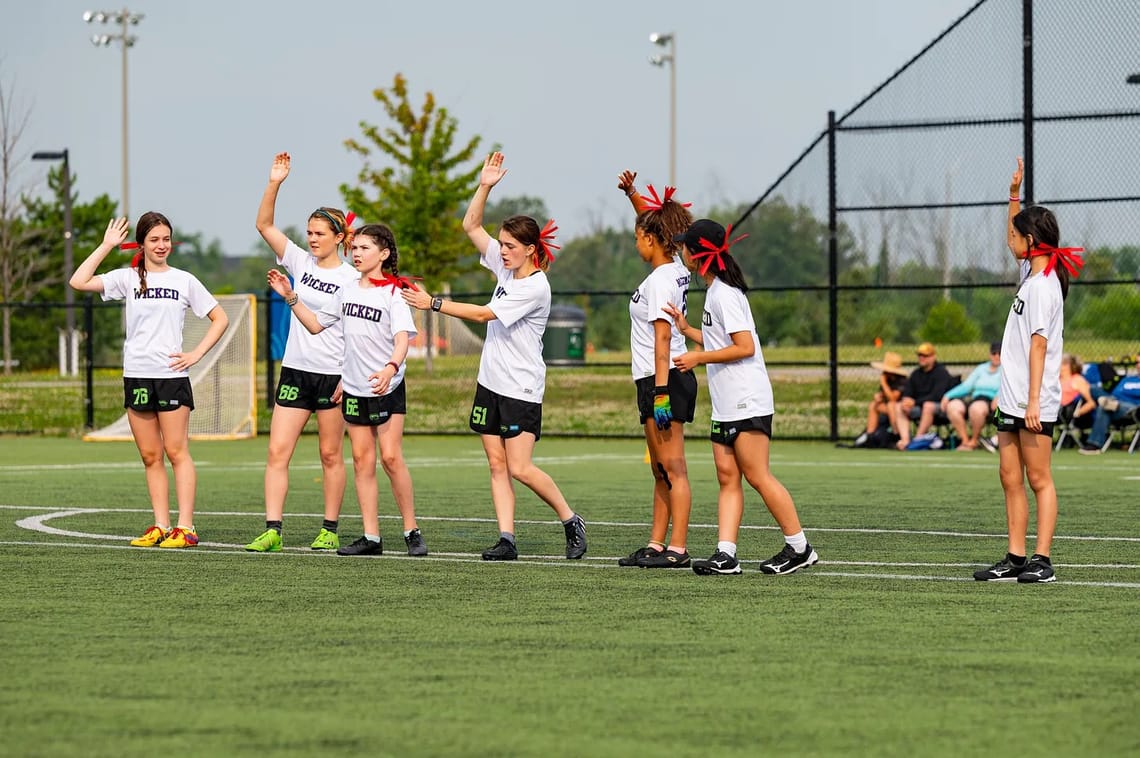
(887,647)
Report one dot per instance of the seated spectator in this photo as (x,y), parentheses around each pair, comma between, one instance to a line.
(1124,399)
(975,398)
(892,377)
(921,396)
(1077,402)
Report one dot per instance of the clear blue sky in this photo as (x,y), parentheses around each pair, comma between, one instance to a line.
(216,88)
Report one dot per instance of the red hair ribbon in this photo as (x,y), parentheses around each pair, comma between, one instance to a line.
(653,202)
(1069,257)
(136,257)
(546,240)
(713,252)
(348,219)
(396,282)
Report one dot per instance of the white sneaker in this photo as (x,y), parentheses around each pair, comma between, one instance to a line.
(1108,402)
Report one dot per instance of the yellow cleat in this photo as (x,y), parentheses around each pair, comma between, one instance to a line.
(180,537)
(151,537)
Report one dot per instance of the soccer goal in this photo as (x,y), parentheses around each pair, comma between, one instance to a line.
(224,382)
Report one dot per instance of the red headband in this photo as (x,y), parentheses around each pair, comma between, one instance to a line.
(713,252)
(137,256)
(546,241)
(655,203)
(1069,257)
(396,282)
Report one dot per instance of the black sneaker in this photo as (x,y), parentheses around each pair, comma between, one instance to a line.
(415,543)
(719,563)
(504,550)
(575,538)
(634,558)
(362,546)
(669,559)
(788,560)
(1087,448)
(1004,570)
(1038,569)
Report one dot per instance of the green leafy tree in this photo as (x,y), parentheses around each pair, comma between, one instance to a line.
(418,196)
(947,323)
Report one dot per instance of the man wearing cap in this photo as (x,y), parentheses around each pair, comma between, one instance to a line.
(921,395)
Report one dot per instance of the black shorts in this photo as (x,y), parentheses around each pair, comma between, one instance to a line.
(157,395)
(374,410)
(726,432)
(306,389)
(682,395)
(502,416)
(1005,423)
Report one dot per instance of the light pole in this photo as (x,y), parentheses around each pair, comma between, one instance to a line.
(124,18)
(669,40)
(69,358)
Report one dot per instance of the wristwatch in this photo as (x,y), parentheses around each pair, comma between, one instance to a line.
(436,303)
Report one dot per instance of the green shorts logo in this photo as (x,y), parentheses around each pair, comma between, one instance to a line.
(479,415)
(352,407)
(288,393)
(141,395)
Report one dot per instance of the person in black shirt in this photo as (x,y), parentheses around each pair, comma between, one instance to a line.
(922,394)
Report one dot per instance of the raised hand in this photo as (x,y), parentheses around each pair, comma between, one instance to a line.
(493,170)
(1015,180)
(625,181)
(116,233)
(279,283)
(280,169)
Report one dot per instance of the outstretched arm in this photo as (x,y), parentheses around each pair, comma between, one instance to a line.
(742,347)
(275,238)
(625,184)
(279,283)
(1014,199)
(421,300)
(491,174)
(84,278)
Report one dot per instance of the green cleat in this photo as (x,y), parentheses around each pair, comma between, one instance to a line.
(326,540)
(268,541)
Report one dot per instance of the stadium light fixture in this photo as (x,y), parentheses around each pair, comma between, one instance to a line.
(669,41)
(124,19)
(69,358)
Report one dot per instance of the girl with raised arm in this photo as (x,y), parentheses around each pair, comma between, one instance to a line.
(1029,398)
(377,328)
(507,411)
(156,372)
(742,403)
(309,381)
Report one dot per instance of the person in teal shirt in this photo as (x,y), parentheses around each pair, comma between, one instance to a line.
(974,400)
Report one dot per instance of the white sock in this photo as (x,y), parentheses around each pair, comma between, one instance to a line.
(798,541)
(726,547)
(372,537)
(407,532)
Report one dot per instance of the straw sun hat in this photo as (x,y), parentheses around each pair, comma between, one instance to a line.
(891,364)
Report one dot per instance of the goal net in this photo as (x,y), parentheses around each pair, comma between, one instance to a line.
(224,382)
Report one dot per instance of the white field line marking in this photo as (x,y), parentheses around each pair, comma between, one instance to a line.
(617,524)
(547,561)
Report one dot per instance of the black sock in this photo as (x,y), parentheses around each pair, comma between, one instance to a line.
(1016,560)
(274,525)
(1042,559)
(330,525)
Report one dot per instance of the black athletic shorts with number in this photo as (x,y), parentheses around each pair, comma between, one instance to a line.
(1006,423)
(726,432)
(374,410)
(682,395)
(306,389)
(157,395)
(503,416)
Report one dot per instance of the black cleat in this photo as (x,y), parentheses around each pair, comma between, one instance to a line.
(415,543)
(362,546)
(1004,570)
(669,559)
(575,538)
(504,550)
(788,560)
(1038,569)
(637,555)
(719,563)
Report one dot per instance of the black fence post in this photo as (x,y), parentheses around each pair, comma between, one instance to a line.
(832,278)
(89,357)
(268,350)
(1027,98)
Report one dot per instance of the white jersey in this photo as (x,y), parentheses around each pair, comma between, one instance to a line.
(1038,308)
(155,318)
(370,318)
(319,353)
(665,284)
(740,389)
(512,364)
